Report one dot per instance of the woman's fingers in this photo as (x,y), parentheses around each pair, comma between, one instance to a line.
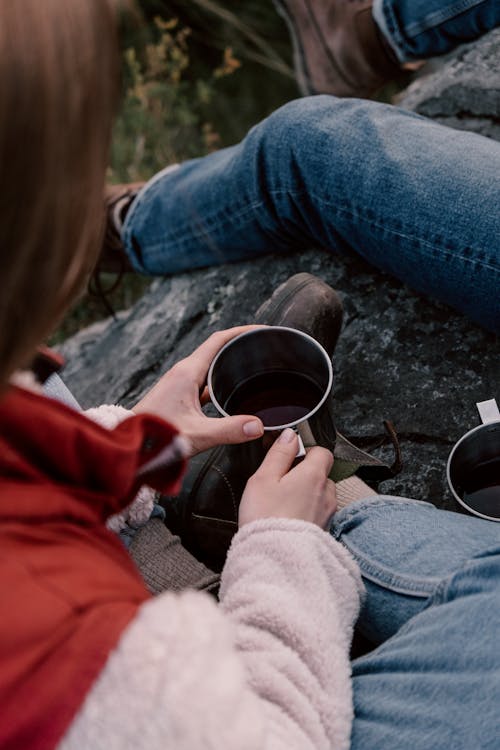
(277,490)
(319,461)
(208,432)
(280,456)
(204,396)
(198,363)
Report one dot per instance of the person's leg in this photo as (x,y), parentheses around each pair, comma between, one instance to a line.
(419,29)
(413,197)
(354,48)
(433,603)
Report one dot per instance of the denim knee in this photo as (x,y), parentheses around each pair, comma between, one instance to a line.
(411,556)
(409,546)
(299,127)
(379,533)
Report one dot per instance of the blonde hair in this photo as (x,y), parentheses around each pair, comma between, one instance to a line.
(58,92)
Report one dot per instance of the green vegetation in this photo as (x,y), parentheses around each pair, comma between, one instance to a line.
(196,77)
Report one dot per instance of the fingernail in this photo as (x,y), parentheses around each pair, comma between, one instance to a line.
(287,435)
(252,429)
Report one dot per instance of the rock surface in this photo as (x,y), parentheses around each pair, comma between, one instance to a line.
(400,356)
(464,92)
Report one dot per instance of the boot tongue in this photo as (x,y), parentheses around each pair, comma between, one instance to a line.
(350,460)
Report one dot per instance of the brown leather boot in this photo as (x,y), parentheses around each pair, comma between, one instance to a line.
(113,261)
(118,198)
(338,48)
(307,303)
(205,514)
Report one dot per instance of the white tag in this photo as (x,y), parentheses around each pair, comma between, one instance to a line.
(488,411)
(301,452)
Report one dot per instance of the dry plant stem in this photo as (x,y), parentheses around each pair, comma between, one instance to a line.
(270,58)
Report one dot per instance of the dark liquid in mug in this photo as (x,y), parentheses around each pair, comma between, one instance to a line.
(482,488)
(276,397)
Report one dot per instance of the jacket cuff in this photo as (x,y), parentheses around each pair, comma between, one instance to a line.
(138,512)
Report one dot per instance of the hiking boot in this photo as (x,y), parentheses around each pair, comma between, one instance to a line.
(113,260)
(338,47)
(205,514)
(118,199)
(308,304)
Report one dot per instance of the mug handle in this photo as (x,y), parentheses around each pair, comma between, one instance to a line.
(301,451)
(488,411)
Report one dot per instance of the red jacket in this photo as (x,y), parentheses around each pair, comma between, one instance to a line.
(67,585)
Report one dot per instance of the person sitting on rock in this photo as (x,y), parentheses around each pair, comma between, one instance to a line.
(90,659)
(411,196)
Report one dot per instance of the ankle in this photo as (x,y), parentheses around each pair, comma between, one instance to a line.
(352,489)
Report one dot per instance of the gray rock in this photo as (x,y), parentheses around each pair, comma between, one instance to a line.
(464,92)
(400,357)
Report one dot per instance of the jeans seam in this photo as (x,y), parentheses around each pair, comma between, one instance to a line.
(441,16)
(396,37)
(378,573)
(218,218)
(386,578)
(354,213)
(357,214)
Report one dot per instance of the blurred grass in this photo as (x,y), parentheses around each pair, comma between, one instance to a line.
(196,77)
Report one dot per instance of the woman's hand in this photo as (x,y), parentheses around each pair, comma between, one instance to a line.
(176,398)
(278,491)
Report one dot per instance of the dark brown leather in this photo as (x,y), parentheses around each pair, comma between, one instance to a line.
(205,515)
(338,48)
(113,258)
(308,304)
(113,261)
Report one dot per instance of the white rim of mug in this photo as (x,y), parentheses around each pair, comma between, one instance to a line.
(448,474)
(263,330)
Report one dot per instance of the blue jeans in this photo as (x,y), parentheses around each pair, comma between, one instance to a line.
(433,604)
(432,607)
(418,29)
(412,197)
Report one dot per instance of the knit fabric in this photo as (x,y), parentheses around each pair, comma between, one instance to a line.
(164,563)
(352,489)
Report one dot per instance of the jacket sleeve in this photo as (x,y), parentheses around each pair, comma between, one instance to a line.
(139,510)
(268,669)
